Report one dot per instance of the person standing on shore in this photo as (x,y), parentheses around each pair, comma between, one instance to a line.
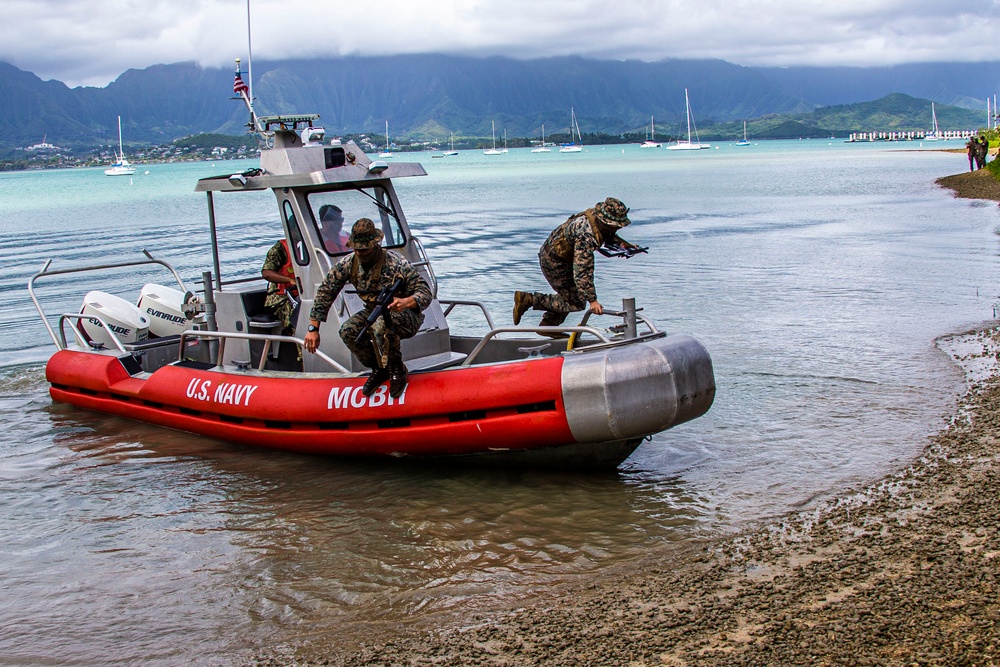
(972,147)
(982,146)
(567,262)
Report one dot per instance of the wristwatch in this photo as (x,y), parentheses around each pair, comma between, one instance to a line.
(312,328)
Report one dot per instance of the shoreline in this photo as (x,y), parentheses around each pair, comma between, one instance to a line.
(905,571)
(979,184)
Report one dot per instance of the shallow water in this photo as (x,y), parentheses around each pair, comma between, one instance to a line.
(818,274)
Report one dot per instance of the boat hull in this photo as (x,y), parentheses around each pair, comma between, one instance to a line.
(584,410)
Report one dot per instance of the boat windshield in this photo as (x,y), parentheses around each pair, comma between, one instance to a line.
(335,212)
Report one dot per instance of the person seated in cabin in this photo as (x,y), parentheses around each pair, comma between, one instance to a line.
(331,229)
(370,268)
(282,291)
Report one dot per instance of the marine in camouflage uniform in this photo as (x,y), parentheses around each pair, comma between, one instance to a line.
(567,262)
(369,280)
(277,294)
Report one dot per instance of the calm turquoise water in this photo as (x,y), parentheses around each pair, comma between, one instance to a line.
(817,273)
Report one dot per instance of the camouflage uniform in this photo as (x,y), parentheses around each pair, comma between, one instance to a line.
(277,299)
(567,262)
(982,150)
(368,285)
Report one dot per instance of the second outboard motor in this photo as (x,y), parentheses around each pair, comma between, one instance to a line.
(164,308)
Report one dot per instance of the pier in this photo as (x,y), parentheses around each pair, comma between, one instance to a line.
(959,135)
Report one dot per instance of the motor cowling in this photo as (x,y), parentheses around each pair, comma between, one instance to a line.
(164,308)
(125,321)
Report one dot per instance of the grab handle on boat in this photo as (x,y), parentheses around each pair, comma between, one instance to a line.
(451,303)
(423,261)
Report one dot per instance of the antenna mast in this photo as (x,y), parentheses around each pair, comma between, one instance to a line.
(245,88)
(250,62)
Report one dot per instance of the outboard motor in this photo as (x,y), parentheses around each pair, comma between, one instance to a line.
(124,319)
(164,308)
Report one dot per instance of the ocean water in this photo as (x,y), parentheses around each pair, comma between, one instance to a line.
(817,273)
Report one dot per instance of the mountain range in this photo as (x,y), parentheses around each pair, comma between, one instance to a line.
(430,96)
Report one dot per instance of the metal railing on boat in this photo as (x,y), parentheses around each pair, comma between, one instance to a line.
(83,342)
(623,332)
(97,267)
(451,303)
(223,336)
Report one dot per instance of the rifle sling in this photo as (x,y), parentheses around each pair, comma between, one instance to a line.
(374,274)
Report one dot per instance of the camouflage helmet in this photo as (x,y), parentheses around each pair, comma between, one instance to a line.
(613,213)
(364,235)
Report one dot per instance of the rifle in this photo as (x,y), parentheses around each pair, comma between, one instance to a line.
(385,297)
(612,249)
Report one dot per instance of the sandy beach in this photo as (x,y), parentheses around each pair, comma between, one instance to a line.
(903,572)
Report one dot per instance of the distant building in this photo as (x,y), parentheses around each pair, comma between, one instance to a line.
(42,146)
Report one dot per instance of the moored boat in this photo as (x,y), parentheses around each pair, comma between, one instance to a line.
(688,144)
(215,362)
(121,166)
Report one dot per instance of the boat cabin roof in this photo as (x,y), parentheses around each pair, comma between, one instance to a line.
(299,158)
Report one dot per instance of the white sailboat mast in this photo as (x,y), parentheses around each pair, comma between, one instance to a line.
(687,108)
(121,151)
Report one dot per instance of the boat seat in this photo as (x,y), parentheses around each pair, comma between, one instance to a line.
(266,324)
(260,319)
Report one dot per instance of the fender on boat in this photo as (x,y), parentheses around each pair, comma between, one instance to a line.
(638,389)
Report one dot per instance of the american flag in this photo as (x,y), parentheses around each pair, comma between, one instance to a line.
(239,87)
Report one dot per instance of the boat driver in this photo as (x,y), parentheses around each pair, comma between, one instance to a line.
(331,230)
(370,268)
(567,262)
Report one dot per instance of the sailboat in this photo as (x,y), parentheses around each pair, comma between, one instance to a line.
(934,134)
(688,145)
(505,142)
(121,167)
(493,151)
(744,141)
(386,152)
(452,151)
(651,142)
(542,148)
(573,147)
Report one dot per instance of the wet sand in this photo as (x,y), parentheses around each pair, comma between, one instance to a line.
(903,572)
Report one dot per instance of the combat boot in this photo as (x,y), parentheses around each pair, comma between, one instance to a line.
(378,376)
(522,302)
(397,381)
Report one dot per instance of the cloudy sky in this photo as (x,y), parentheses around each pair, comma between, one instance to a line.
(91,42)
